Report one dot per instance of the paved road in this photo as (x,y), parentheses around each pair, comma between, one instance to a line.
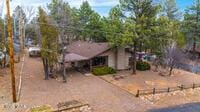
(191,107)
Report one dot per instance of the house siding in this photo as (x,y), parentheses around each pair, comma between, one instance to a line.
(111,58)
(123,59)
(127,55)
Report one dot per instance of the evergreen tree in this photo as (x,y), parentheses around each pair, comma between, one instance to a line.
(59,10)
(191,24)
(171,10)
(49,46)
(84,14)
(143,13)
(17,14)
(95,28)
(114,28)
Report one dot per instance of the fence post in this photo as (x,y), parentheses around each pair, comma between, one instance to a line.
(168,89)
(138,93)
(154,90)
(193,86)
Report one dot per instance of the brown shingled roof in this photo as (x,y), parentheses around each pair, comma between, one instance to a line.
(87,49)
(71,57)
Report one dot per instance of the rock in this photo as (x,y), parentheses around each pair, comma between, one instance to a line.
(150,83)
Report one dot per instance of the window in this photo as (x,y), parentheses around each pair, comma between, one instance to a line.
(100,61)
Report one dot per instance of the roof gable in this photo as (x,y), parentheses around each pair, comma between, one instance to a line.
(87,49)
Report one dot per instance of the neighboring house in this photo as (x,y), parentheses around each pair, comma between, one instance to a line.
(87,55)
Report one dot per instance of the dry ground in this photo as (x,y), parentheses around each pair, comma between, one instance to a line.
(149,80)
(5,85)
(102,96)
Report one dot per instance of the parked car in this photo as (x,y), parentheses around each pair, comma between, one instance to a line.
(34,51)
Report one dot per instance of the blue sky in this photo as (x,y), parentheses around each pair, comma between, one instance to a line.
(100,6)
(182,4)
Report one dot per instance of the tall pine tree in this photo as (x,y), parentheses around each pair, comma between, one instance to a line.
(143,14)
(49,46)
(191,24)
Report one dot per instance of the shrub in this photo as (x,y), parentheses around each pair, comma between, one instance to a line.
(44,108)
(142,66)
(103,71)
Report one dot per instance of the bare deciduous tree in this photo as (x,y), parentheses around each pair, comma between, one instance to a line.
(172,57)
(30,12)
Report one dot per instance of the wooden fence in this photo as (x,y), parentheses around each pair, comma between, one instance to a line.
(166,90)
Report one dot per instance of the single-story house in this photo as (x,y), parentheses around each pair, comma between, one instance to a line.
(87,55)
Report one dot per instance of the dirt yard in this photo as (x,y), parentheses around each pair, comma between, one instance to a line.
(100,95)
(149,80)
(103,94)
(5,85)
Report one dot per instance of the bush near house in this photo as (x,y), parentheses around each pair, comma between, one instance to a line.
(142,66)
(98,71)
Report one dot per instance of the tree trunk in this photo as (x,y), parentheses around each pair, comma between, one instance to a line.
(194,49)
(21,33)
(145,50)
(44,65)
(64,73)
(63,67)
(5,61)
(140,50)
(45,68)
(171,69)
(134,57)
(116,58)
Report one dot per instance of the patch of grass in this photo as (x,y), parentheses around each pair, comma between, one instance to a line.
(99,71)
(43,108)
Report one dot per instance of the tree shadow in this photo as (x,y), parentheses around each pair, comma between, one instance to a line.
(189,107)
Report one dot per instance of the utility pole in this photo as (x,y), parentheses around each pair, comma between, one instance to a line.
(10,41)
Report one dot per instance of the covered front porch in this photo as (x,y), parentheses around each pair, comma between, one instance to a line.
(83,64)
